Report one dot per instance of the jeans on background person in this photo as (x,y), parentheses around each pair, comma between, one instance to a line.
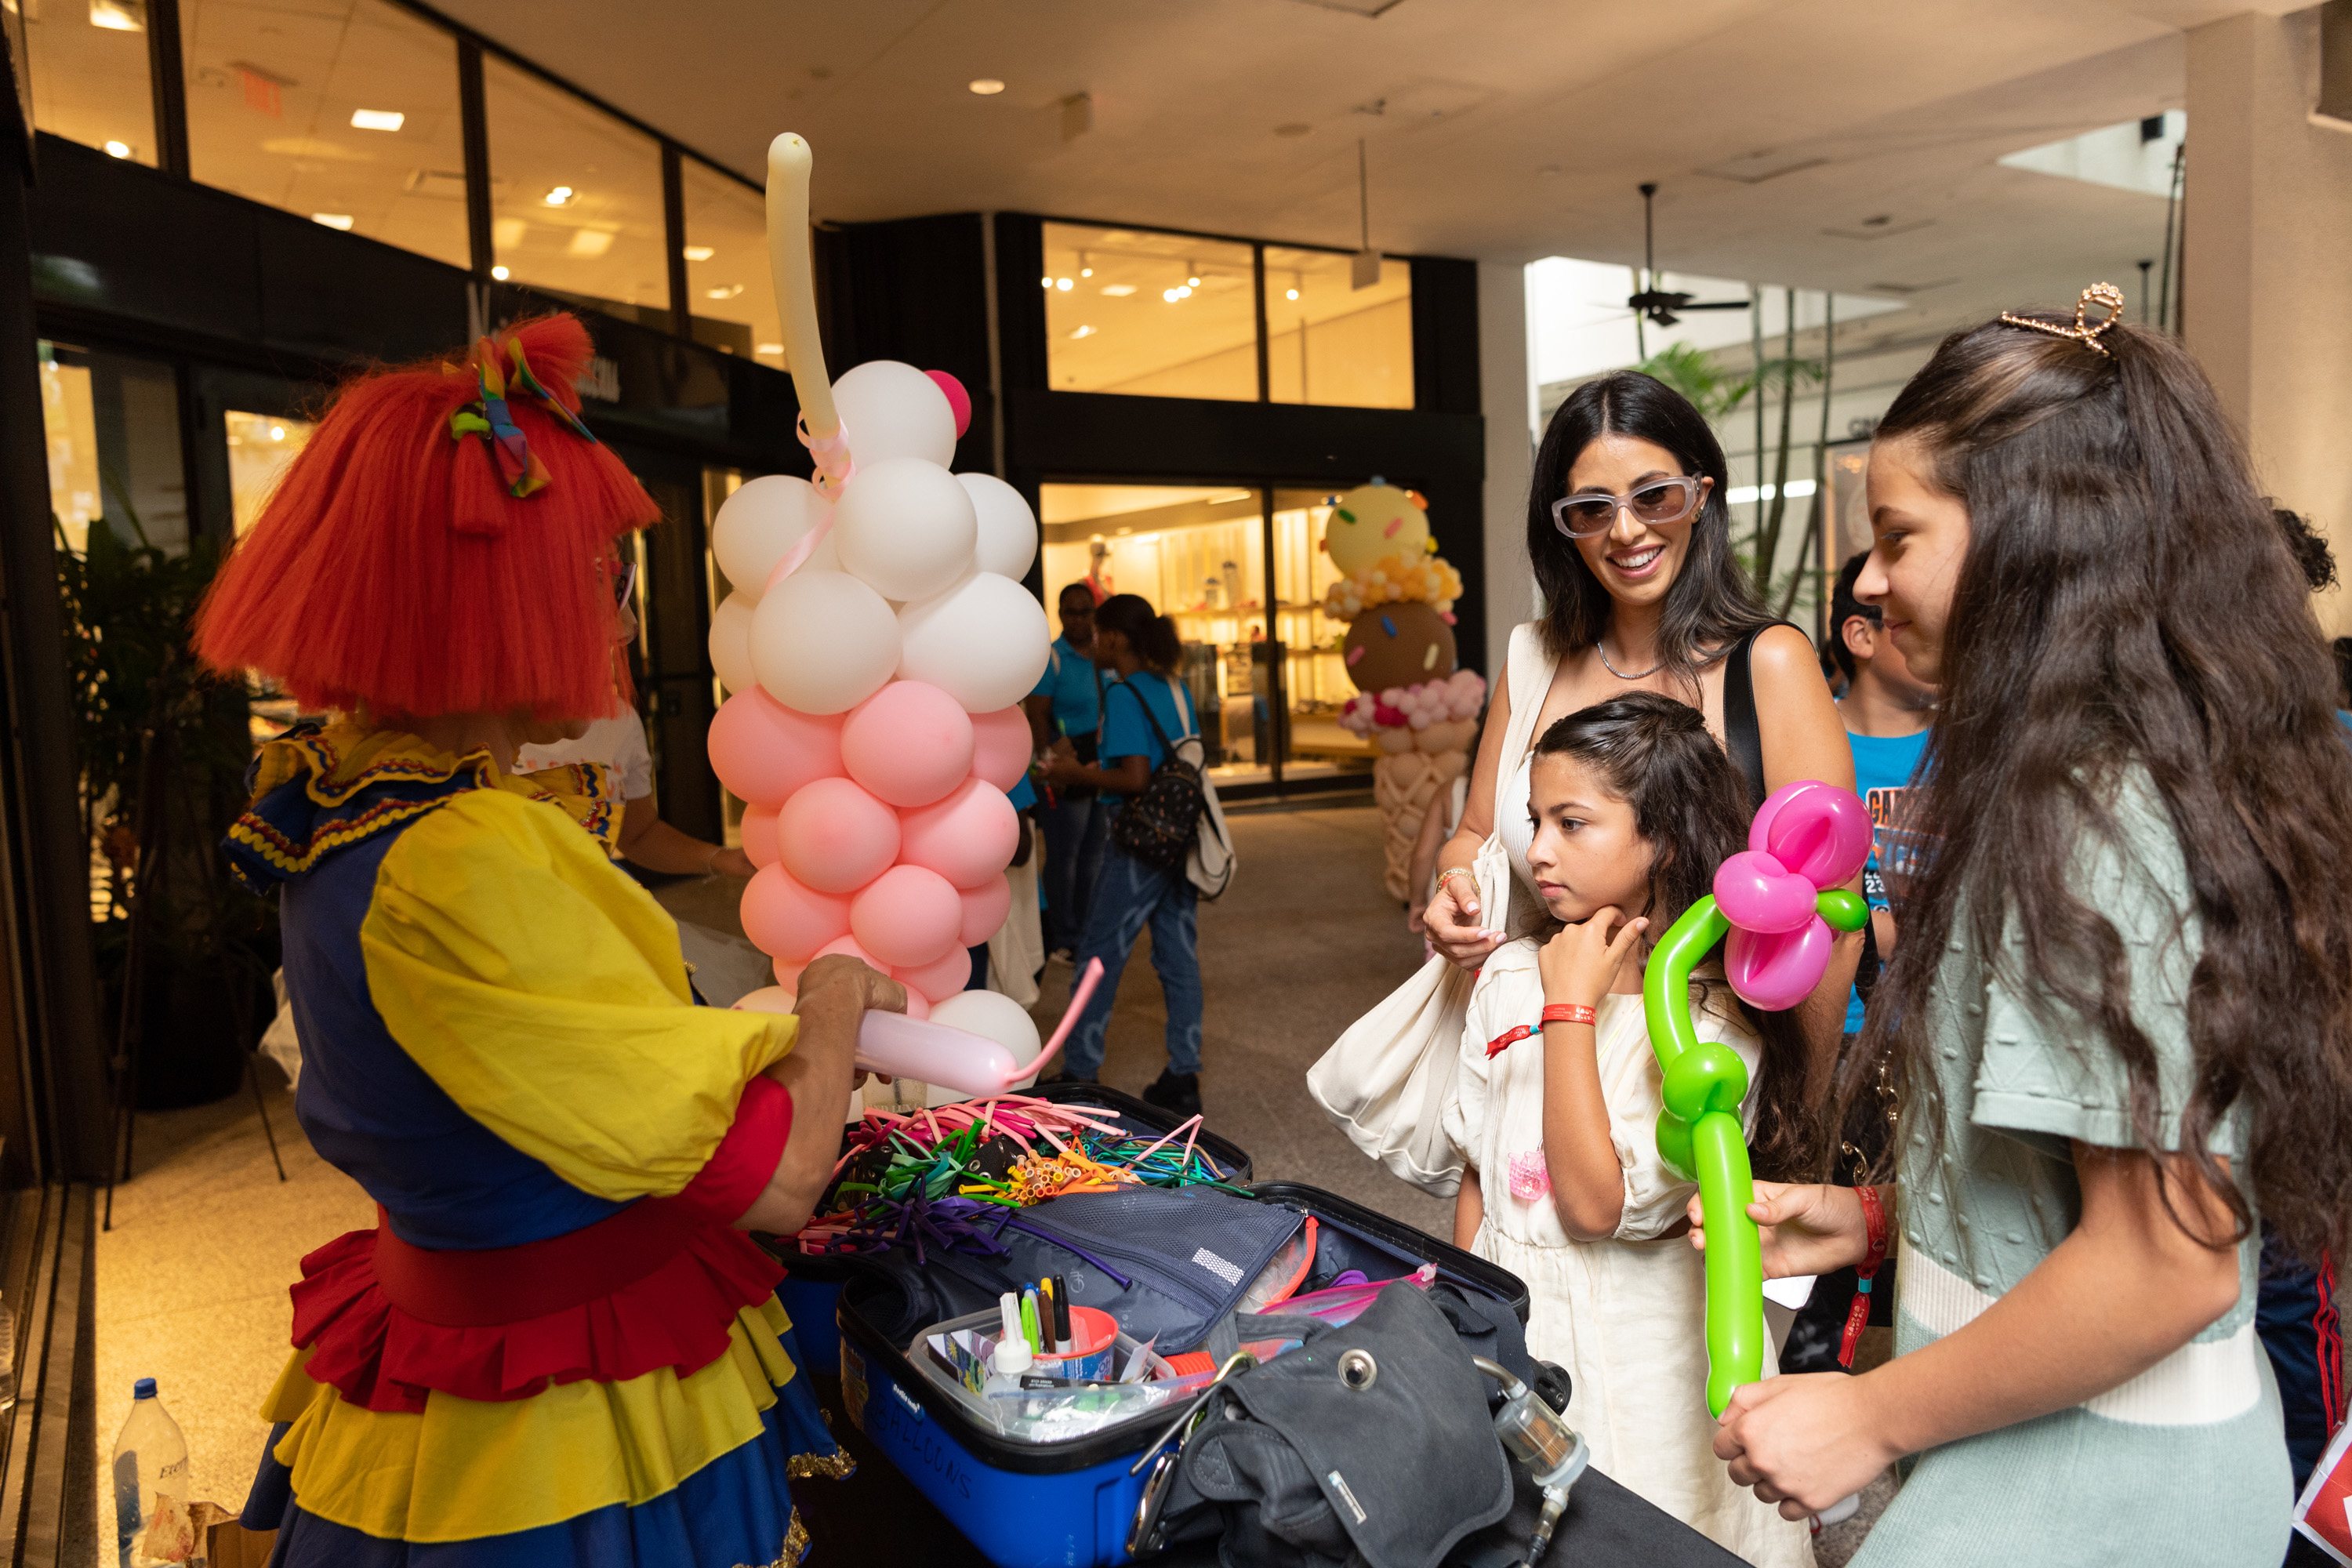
(1127,895)
(1075,832)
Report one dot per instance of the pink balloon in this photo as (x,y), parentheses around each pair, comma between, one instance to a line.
(918,1006)
(957,399)
(759,834)
(835,837)
(1755,894)
(1001,746)
(767,999)
(907,917)
(764,751)
(849,945)
(984,909)
(788,975)
(1819,831)
(908,743)
(785,918)
(940,980)
(968,837)
(1778,970)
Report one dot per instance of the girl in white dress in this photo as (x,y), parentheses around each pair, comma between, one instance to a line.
(1631,806)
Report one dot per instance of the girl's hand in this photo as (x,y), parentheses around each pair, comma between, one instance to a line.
(1452,921)
(1804,1440)
(1580,965)
(1806,1229)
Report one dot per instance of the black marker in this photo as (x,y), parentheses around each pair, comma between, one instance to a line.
(1061,1343)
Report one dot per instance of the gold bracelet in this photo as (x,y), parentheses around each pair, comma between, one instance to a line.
(1459,871)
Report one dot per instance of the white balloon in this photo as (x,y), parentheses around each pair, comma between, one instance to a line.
(993,1016)
(1008,529)
(905,528)
(758,523)
(984,642)
(731,642)
(823,642)
(890,409)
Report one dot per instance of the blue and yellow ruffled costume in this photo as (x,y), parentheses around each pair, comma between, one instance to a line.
(553,1350)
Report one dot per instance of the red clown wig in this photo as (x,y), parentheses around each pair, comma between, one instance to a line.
(444,545)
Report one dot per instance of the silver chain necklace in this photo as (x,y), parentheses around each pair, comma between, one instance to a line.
(1602,649)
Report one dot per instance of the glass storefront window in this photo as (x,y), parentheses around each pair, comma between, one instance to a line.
(88,65)
(1315,671)
(732,297)
(1198,554)
(344,112)
(1160,315)
(262,447)
(718,484)
(1330,343)
(112,424)
(575,198)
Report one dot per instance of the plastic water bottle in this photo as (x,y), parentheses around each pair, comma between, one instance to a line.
(7,1357)
(150,1485)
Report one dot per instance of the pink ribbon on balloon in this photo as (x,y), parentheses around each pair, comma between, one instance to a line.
(1807,839)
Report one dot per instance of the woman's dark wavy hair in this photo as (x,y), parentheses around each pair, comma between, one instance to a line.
(1690,805)
(1710,604)
(1151,635)
(2126,600)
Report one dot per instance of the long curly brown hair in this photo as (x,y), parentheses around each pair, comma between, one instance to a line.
(2127,601)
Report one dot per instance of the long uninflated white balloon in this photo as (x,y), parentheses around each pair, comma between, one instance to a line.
(788,260)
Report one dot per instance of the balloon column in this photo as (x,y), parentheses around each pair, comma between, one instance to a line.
(1397,596)
(876,646)
(1778,899)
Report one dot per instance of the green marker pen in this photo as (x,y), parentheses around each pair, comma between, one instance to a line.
(1029,1320)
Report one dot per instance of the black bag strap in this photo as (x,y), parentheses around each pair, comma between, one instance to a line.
(1167,746)
(1741,736)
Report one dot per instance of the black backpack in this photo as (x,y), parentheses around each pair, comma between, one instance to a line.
(1160,825)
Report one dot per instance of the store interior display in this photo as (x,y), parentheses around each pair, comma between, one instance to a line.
(1413,704)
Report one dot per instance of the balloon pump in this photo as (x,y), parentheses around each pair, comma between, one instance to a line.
(1554,1454)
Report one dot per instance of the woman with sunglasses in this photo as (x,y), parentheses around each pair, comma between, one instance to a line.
(1630,537)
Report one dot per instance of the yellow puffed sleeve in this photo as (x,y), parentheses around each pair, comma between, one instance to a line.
(542,990)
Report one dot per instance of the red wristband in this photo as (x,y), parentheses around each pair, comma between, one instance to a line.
(1569,1013)
(1857,1316)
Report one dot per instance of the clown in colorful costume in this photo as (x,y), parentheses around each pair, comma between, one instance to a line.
(557,1347)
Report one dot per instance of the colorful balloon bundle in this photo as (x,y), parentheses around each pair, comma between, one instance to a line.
(934,1177)
(1453,701)
(1392,578)
(1776,900)
(877,643)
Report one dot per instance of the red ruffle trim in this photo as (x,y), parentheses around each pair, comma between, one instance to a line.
(376,1355)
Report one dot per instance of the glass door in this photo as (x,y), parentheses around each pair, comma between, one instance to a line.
(1315,671)
(1198,554)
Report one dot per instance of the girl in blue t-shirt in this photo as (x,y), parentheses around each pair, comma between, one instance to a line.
(1137,649)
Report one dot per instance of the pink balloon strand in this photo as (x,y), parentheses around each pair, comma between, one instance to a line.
(1080,995)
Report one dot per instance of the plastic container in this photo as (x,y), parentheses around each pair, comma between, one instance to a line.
(1070,1504)
(812,1287)
(150,1485)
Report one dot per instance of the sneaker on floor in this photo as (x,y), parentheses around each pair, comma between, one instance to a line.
(1178,1092)
(1060,955)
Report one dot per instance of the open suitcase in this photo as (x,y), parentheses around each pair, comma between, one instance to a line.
(1071,1504)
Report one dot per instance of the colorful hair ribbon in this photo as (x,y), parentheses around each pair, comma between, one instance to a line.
(1777,901)
(489,418)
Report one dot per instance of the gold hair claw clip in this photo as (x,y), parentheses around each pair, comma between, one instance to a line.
(2105,294)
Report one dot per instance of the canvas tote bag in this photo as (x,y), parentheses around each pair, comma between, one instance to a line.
(1386,1081)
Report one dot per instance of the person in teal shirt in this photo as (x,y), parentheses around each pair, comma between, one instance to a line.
(1065,714)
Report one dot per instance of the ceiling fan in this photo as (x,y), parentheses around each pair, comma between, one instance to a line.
(1660,305)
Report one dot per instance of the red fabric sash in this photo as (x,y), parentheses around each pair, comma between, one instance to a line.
(510,1283)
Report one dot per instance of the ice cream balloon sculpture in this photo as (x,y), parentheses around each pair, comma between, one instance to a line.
(1777,900)
(876,648)
(1396,595)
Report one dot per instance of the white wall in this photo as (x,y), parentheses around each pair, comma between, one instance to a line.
(1506,397)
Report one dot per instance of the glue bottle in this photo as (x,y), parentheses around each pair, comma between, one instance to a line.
(1012,1356)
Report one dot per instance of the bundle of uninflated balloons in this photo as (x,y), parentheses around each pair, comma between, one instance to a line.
(877,644)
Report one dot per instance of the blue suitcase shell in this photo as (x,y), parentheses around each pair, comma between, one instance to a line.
(1070,1505)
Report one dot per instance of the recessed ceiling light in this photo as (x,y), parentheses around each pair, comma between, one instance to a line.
(1048,282)
(500,273)
(277,432)
(1064,284)
(118,149)
(728,292)
(377,119)
(1291,293)
(588,242)
(769,349)
(332,220)
(1083,331)
(561,195)
(1119,291)
(699,252)
(1193,283)
(1085,271)
(986,86)
(119,16)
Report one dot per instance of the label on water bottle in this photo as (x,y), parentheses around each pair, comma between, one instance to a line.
(126,1505)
